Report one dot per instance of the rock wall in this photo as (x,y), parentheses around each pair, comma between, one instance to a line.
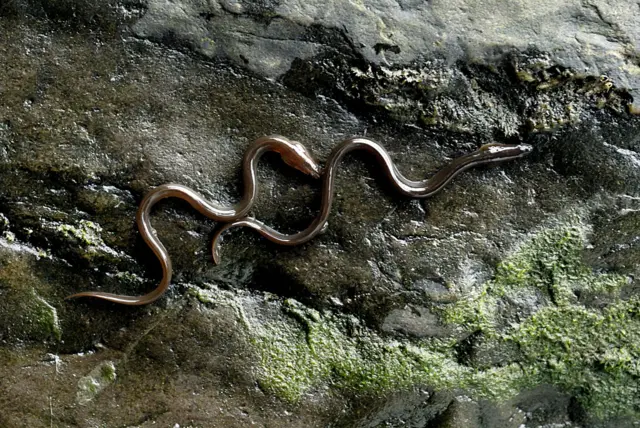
(509,299)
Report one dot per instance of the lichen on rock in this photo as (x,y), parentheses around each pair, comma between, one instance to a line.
(25,315)
(509,299)
(591,352)
(95,382)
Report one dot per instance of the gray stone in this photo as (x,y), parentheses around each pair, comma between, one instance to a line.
(415,321)
(510,298)
(461,412)
(592,38)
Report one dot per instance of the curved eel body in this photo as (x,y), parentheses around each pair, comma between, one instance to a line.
(296,156)
(489,153)
(292,152)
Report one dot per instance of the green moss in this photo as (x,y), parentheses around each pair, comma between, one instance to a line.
(552,263)
(474,311)
(108,372)
(86,232)
(129,277)
(95,382)
(429,94)
(88,235)
(294,361)
(45,317)
(24,314)
(549,263)
(590,353)
(564,95)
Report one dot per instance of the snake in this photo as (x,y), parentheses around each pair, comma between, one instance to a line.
(486,154)
(292,153)
(297,156)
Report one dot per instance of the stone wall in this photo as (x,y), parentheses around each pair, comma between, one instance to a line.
(509,299)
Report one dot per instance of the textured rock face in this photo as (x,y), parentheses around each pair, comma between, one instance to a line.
(593,37)
(509,299)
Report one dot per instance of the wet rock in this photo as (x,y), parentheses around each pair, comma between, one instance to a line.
(508,299)
(98,379)
(594,38)
(411,408)
(414,321)
(461,412)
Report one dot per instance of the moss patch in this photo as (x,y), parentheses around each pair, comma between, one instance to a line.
(293,361)
(96,381)
(590,353)
(45,317)
(87,232)
(88,235)
(593,354)
(24,314)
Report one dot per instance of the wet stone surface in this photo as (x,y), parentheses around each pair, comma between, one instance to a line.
(510,299)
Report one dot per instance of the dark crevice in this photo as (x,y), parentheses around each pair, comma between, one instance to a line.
(207,16)
(274,279)
(414,93)
(88,16)
(465,349)
(385,47)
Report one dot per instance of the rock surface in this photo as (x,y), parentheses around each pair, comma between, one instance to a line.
(510,299)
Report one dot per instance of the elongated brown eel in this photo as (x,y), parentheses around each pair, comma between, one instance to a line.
(297,156)
(292,152)
(488,153)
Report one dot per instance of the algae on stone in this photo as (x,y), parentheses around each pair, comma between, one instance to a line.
(88,235)
(591,353)
(97,380)
(25,315)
